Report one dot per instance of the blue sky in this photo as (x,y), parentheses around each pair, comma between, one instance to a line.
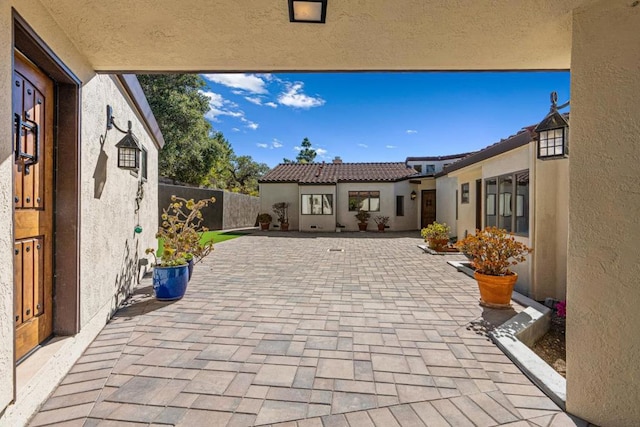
(376,117)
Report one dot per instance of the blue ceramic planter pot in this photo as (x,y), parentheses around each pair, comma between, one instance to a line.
(170,283)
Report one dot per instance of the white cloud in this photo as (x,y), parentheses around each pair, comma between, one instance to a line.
(390,146)
(262,145)
(295,98)
(411,131)
(271,104)
(218,106)
(276,143)
(321,152)
(297,148)
(254,100)
(235,129)
(252,125)
(363,145)
(247,82)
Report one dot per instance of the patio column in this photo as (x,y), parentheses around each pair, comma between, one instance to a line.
(603,283)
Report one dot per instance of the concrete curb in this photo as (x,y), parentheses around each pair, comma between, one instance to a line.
(428,250)
(514,336)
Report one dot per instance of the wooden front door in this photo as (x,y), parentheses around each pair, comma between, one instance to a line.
(33,106)
(428,207)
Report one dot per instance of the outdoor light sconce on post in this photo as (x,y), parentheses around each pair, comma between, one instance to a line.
(553,132)
(310,11)
(413,195)
(128,147)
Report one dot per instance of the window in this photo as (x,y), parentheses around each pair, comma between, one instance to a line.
(430,170)
(456,205)
(507,202)
(317,204)
(399,205)
(551,143)
(464,193)
(143,163)
(364,200)
(418,168)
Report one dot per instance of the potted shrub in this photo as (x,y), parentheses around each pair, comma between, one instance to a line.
(281,210)
(181,235)
(436,235)
(363,219)
(382,221)
(265,220)
(493,251)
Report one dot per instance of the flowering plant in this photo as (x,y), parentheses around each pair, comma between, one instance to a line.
(381,220)
(181,231)
(264,218)
(493,251)
(561,308)
(436,231)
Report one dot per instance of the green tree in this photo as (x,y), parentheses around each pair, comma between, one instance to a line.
(179,108)
(306,154)
(245,173)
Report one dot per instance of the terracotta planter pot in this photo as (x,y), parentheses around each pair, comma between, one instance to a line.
(264,225)
(438,244)
(362,227)
(495,291)
(381,227)
(284,226)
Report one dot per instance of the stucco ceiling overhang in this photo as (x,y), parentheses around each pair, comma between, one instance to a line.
(256,35)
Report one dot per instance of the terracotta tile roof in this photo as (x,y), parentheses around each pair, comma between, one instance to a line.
(332,173)
(439,158)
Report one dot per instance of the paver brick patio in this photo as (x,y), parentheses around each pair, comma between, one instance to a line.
(277,330)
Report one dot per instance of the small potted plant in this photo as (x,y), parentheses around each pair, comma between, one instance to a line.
(281,210)
(182,246)
(265,220)
(382,222)
(436,235)
(363,219)
(493,250)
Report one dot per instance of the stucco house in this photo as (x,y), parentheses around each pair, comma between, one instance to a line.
(326,196)
(596,39)
(78,209)
(511,185)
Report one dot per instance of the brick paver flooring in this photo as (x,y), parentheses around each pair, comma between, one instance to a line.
(277,329)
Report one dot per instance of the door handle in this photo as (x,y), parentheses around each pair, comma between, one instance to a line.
(22,156)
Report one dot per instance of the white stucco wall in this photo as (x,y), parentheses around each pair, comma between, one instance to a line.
(411,208)
(317,223)
(446,202)
(110,248)
(107,222)
(271,193)
(603,319)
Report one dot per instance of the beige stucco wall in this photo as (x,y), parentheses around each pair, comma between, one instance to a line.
(110,248)
(6,212)
(603,292)
(101,242)
(467,211)
(551,229)
(410,218)
(387,203)
(317,223)
(271,193)
(446,202)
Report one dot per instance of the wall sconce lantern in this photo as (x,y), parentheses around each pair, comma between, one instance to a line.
(553,132)
(310,11)
(413,195)
(128,147)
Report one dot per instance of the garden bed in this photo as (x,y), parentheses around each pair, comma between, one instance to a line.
(551,347)
(446,251)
